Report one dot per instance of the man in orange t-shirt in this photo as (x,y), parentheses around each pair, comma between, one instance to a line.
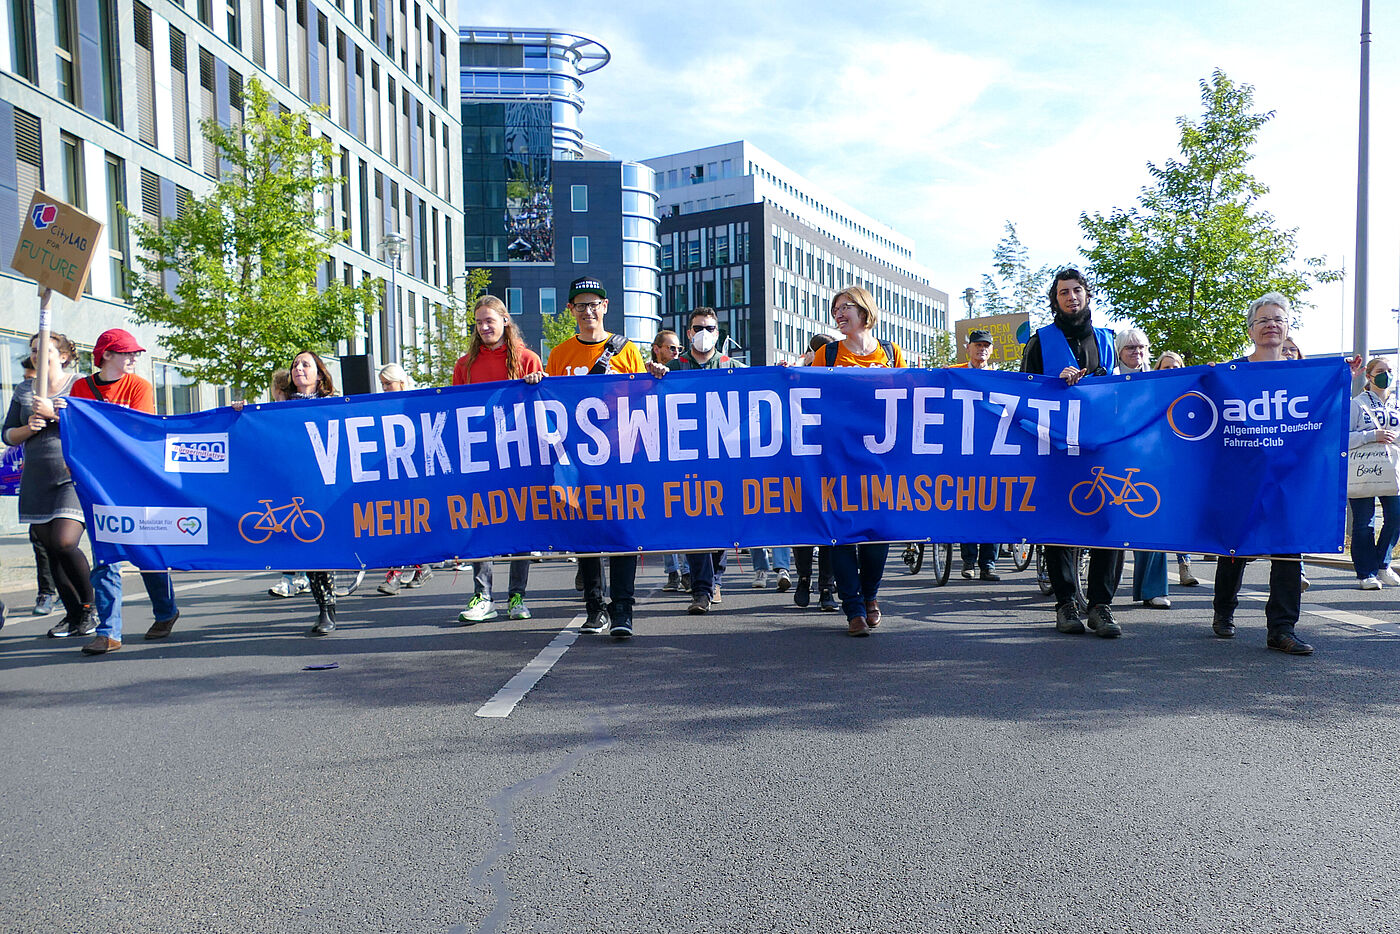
(593,351)
(116,381)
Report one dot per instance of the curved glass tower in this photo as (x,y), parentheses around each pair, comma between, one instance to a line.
(542,206)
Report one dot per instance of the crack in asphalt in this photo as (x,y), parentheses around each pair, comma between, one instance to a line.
(490,876)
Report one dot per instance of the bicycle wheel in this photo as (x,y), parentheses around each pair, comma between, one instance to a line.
(914,556)
(1021,555)
(1042,573)
(345,583)
(942,563)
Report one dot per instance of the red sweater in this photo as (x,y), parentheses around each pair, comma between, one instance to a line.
(490,365)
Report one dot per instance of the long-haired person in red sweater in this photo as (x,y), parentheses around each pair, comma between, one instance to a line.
(496,352)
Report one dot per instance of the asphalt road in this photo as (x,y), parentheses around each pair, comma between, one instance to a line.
(965,769)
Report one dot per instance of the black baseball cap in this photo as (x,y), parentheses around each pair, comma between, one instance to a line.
(980,336)
(586,284)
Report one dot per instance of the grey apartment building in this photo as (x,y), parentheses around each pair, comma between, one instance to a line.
(101,102)
(744,234)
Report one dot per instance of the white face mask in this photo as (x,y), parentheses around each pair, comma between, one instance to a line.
(703,341)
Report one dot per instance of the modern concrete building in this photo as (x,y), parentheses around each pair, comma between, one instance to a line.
(543,206)
(101,101)
(766,248)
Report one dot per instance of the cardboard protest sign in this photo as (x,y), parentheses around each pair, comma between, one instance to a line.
(1009,336)
(56,245)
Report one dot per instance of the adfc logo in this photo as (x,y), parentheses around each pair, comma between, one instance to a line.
(1192,416)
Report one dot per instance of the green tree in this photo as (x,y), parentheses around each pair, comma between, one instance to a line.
(431,363)
(1018,287)
(247,254)
(941,351)
(1187,260)
(559,327)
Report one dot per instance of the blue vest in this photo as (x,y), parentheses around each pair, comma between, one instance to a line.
(1055,354)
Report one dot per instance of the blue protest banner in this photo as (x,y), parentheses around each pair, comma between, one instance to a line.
(11,466)
(1235,458)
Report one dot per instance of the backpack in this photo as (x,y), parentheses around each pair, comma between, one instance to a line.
(613,348)
(828,352)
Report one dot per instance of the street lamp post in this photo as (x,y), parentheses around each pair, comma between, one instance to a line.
(393,245)
(968,295)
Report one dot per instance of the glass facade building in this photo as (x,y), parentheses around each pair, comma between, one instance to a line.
(541,205)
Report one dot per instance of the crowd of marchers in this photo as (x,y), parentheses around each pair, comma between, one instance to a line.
(843,577)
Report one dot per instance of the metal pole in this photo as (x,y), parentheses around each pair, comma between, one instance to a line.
(1362,179)
(41,355)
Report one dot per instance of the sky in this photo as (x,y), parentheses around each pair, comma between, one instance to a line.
(947,119)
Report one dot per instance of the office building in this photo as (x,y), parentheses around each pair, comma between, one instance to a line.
(100,105)
(767,249)
(542,206)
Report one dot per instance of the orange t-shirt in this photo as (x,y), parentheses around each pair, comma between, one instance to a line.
(575,358)
(131,391)
(875,358)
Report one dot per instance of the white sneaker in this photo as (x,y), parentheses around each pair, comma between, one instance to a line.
(282,588)
(479,608)
(301,583)
(760,580)
(1387,576)
(784,580)
(1370,583)
(714,595)
(1159,603)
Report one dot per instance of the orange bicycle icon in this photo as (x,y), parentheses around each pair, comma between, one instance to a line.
(306,525)
(1089,496)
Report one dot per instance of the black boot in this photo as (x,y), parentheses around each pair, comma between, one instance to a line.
(325,623)
(803,594)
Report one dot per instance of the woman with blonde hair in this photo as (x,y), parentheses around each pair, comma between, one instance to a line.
(859,567)
(392,378)
(496,352)
(1169,360)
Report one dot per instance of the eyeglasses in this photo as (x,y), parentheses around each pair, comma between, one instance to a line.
(846,307)
(704,327)
(588,306)
(1134,346)
(1258,321)
(674,348)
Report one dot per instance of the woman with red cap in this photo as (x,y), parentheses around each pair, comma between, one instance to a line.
(116,381)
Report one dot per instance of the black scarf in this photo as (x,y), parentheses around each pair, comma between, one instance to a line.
(1076,327)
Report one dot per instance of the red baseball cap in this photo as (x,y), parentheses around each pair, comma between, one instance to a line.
(117,341)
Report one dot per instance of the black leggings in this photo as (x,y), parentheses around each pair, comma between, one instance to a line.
(322,588)
(71,572)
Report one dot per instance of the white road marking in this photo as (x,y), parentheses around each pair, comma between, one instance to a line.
(516,688)
(137,597)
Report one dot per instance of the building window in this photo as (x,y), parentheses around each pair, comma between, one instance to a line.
(180,96)
(145,77)
(117,224)
(235,25)
(514,299)
(29,156)
(206,93)
(65,28)
(74,180)
(578,198)
(23,47)
(580,249)
(549,303)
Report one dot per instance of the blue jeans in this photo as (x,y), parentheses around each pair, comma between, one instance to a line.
(706,571)
(782,558)
(1149,574)
(483,577)
(671,563)
(622,573)
(978,557)
(107,597)
(859,570)
(1371,552)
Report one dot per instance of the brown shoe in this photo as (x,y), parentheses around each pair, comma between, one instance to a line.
(101,645)
(161,627)
(872,613)
(857,627)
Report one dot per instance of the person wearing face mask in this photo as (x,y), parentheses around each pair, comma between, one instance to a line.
(702,337)
(1071,348)
(1375,418)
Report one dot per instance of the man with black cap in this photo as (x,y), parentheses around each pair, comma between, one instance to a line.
(978,558)
(1071,348)
(116,381)
(593,351)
